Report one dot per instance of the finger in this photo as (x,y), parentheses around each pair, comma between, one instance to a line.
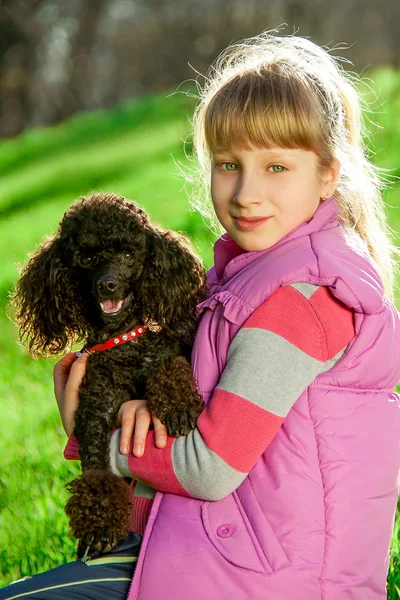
(71,396)
(160,433)
(78,367)
(126,418)
(143,419)
(77,372)
(61,372)
(66,361)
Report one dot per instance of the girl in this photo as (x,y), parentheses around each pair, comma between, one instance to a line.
(288,485)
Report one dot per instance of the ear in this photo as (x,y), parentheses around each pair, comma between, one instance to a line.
(330,178)
(172,284)
(43,302)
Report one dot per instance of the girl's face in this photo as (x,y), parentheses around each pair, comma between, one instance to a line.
(260,195)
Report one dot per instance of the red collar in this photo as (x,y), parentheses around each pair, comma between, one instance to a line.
(117,341)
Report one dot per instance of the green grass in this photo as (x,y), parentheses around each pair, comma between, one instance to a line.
(126,151)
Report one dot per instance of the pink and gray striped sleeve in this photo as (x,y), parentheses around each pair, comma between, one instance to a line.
(302,330)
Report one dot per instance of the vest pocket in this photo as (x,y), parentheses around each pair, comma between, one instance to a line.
(229,530)
(262,530)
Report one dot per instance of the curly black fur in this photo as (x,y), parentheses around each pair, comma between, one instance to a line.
(96,496)
(106,251)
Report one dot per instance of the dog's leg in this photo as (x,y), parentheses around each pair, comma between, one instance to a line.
(99,509)
(172,396)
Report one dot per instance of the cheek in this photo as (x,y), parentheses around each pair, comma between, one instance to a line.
(317,182)
(216,187)
(222,185)
(217,196)
(213,193)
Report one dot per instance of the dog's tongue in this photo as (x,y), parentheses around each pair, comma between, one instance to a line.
(110,306)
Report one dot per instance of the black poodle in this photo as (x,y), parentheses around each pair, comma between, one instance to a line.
(111,278)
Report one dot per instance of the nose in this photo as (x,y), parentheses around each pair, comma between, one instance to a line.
(248,190)
(106,284)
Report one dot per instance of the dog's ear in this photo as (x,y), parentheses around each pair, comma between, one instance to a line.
(43,302)
(172,283)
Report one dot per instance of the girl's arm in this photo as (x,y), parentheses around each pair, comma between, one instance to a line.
(299,332)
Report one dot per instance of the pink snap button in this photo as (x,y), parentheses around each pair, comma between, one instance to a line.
(225,531)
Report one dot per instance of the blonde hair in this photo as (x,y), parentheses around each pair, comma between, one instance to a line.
(288,92)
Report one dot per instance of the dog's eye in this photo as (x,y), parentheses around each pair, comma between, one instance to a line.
(127,254)
(85,261)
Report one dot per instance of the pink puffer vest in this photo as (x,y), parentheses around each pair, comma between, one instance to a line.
(314,518)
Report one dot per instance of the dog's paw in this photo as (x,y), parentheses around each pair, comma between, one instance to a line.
(97,542)
(99,511)
(182,423)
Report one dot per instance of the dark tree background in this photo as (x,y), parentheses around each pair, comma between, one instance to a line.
(59,57)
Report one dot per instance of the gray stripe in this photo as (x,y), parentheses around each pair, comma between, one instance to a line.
(118,462)
(200,471)
(144,491)
(306,289)
(267,370)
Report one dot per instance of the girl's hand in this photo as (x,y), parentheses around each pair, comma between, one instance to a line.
(67,375)
(135,415)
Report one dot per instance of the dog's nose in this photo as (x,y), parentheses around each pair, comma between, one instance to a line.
(106,284)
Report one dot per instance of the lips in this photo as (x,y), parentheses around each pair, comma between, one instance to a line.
(250,223)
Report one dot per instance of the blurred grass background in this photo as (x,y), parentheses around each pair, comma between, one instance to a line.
(127,151)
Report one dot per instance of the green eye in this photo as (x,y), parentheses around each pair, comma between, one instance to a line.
(228,165)
(277,168)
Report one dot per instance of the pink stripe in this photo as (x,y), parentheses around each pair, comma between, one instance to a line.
(155,466)
(293,317)
(71,451)
(336,318)
(140,513)
(229,419)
